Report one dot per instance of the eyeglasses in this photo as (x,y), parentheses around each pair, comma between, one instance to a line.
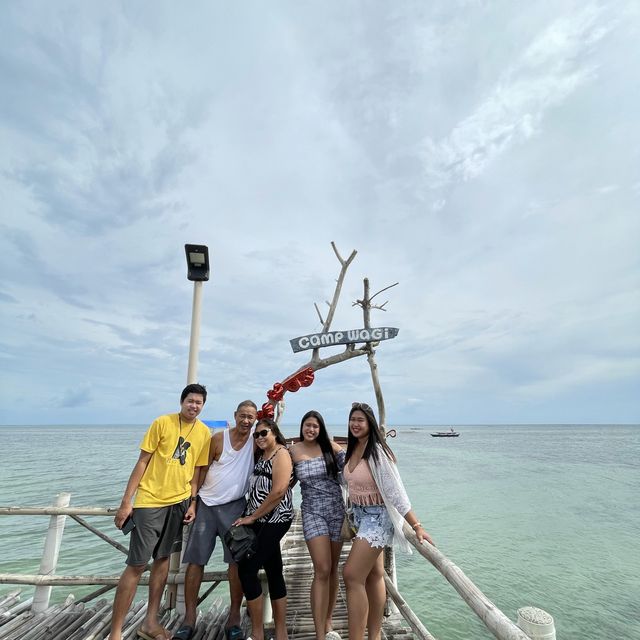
(261,434)
(361,405)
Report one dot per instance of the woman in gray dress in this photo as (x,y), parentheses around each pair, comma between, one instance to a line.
(317,463)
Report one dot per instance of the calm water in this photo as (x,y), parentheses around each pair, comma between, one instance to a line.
(534,515)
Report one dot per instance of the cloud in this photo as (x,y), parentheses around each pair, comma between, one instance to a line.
(478,155)
(553,67)
(143,399)
(74,397)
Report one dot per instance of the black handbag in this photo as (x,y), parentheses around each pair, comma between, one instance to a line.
(241,541)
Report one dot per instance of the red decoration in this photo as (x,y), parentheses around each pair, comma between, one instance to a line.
(294,382)
(300,379)
(277,393)
(267,411)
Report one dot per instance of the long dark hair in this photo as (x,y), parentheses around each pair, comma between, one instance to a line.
(324,442)
(375,435)
(273,425)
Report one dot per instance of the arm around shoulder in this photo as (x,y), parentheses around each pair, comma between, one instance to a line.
(337,448)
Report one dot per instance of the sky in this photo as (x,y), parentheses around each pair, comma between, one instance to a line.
(484,155)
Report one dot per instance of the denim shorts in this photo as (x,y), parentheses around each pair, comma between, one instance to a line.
(373,524)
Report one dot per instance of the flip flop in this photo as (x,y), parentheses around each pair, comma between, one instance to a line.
(150,636)
(233,633)
(184,632)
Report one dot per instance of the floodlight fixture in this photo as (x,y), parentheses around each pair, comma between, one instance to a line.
(197,262)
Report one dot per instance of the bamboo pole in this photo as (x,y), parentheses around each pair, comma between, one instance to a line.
(58,511)
(57,581)
(50,554)
(8,599)
(100,534)
(96,593)
(82,616)
(499,625)
(414,622)
(207,593)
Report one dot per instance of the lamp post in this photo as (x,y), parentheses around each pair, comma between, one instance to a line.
(197,272)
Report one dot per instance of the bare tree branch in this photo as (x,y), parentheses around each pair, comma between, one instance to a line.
(347,354)
(344,265)
(381,290)
(365,303)
(351,351)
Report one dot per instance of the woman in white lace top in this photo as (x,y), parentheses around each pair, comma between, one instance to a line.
(380,504)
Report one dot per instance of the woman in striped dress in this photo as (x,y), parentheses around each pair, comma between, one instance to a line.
(270,513)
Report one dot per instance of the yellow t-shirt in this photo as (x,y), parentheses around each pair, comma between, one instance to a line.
(165,480)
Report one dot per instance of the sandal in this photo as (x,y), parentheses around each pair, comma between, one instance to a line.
(233,633)
(153,635)
(184,632)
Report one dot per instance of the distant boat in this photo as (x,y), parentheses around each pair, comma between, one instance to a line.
(445,434)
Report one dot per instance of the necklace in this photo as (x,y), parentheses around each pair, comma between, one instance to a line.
(182,449)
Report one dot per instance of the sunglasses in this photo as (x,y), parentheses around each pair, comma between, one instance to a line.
(261,434)
(361,405)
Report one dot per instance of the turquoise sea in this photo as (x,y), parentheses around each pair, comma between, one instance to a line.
(543,515)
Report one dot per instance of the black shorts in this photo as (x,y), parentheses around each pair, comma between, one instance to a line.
(158,532)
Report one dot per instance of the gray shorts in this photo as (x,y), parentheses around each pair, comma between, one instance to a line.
(158,532)
(323,524)
(211,522)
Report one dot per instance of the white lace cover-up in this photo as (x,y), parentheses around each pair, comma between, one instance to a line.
(385,473)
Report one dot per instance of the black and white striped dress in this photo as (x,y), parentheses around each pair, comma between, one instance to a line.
(260,487)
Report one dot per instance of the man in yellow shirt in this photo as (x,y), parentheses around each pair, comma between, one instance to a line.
(164,482)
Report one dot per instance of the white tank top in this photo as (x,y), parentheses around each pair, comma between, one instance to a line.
(228,478)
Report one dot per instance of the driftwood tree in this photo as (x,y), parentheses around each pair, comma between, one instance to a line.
(304,375)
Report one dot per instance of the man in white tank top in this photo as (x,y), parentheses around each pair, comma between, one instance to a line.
(220,501)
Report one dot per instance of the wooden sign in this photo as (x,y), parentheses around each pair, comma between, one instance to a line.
(352,336)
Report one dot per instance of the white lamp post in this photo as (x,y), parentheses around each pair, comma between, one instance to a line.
(197,272)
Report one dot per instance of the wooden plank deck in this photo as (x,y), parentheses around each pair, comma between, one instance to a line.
(298,572)
(73,620)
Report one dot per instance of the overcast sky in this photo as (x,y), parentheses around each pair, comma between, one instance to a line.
(485,155)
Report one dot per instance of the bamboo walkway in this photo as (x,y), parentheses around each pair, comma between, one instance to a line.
(73,620)
(298,573)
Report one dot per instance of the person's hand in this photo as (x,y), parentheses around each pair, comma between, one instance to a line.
(190,516)
(422,535)
(122,514)
(244,520)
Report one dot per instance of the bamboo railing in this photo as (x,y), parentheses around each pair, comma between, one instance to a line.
(494,619)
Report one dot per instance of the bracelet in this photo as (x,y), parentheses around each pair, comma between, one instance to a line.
(417,524)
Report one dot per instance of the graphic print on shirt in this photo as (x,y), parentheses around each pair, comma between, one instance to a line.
(180,452)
